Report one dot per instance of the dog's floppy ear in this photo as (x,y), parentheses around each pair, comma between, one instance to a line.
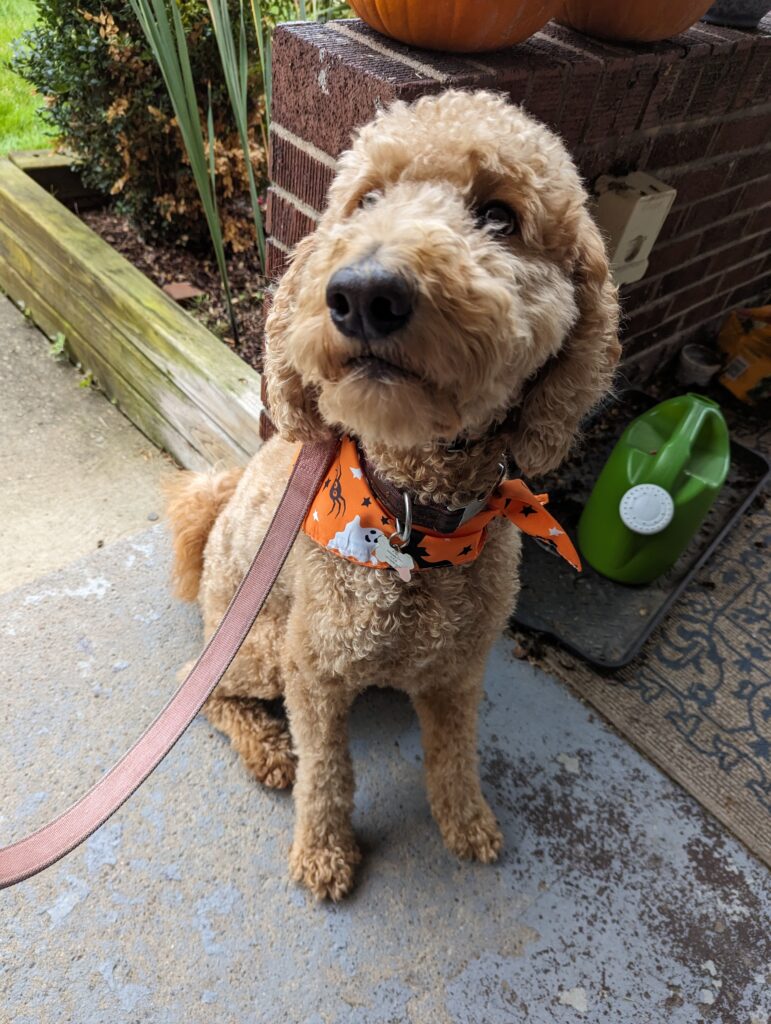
(581,373)
(291,405)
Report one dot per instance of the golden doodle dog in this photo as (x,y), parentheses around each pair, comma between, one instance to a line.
(452,310)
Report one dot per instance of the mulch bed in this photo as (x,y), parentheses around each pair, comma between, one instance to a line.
(168,264)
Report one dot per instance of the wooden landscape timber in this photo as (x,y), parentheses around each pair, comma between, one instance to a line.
(172,377)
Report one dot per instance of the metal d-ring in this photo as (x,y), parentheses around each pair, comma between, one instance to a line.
(402,536)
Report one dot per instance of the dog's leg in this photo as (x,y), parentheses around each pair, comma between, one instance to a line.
(448,719)
(262,740)
(324,852)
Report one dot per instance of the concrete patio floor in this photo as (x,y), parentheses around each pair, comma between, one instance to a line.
(74,473)
(617,898)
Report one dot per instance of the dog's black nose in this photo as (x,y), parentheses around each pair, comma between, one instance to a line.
(367,301)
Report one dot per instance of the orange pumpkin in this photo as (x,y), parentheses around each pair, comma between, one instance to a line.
(638,21)
(460,26)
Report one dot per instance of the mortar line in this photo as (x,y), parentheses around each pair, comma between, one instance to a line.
(298,204)
(303,145)
(386,51)
(695,259)
(688,309)
(285,249)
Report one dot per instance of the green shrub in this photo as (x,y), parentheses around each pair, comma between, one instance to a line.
(106,99)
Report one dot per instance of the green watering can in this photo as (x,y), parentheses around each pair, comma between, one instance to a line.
(655,489)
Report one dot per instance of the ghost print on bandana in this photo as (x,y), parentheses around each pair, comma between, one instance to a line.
(356,542)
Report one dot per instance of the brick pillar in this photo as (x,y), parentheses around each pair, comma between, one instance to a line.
(695,111)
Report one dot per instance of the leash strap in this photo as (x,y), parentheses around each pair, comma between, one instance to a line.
(41,849)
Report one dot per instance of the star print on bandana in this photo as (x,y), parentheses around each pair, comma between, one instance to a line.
(355,537)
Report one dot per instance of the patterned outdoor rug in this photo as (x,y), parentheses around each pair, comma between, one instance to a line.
(697,700)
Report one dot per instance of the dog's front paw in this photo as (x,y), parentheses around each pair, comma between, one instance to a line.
(267,752)
(474,838)
(280,773)
(326,870)
(274,767)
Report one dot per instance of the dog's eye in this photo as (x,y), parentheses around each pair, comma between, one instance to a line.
(369,199)
(498,217)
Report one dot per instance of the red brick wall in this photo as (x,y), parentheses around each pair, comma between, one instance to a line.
(695,111)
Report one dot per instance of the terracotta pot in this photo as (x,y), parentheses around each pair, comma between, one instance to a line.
(459,26)
(636,21)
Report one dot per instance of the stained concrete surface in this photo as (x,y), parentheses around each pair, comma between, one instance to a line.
(617,899)
(74,472)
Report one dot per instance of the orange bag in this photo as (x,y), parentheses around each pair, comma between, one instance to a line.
(746,338)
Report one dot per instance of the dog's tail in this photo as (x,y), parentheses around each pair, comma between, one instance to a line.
(193,502)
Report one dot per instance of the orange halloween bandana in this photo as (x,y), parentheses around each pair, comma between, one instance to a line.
(348,519)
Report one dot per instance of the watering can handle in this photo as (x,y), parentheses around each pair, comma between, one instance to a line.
(676,452)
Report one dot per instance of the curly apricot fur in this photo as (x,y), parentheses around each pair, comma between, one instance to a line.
(526,322)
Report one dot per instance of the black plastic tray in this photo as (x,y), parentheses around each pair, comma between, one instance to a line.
(605,622)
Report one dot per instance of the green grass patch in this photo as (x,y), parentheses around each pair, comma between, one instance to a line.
(20,127)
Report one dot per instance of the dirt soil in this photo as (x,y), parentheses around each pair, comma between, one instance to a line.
(168,264)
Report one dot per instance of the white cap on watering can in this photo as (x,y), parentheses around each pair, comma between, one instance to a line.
(646,509)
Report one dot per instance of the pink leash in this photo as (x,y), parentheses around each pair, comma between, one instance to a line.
(41,849)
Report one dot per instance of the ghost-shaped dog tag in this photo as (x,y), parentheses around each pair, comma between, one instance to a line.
(398,560)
